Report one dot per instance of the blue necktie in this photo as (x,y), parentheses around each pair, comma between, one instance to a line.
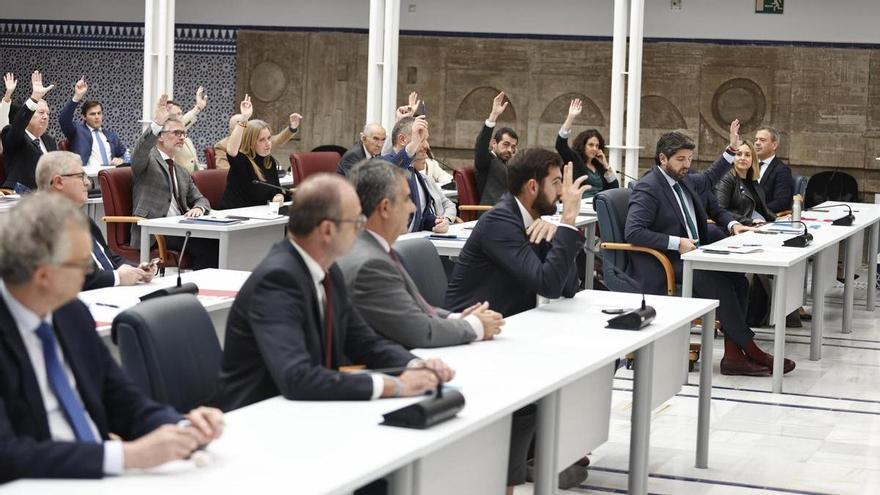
(101,148)
(73,410)
(99,254)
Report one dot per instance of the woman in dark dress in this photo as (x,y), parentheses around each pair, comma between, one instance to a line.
(587,154)
(249,150)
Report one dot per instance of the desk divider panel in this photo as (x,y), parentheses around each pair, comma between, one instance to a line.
(585,411)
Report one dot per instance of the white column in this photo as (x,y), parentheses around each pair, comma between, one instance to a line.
(389,67)
(374,61)
(634,86)
(158,52)
(618,81)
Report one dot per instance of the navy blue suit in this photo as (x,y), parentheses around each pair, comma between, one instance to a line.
(500,265)
(80,135)
(424,216)
(777,184)
(112,401)
(654,215)
(275,338)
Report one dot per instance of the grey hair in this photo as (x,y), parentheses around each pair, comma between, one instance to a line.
(54,163)
(403,126)
(774,133)
(375,180)
(374,126)
(172,119)
(40,222)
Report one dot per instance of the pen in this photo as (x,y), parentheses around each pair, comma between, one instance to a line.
(751,245)
(768,232)
(106,305)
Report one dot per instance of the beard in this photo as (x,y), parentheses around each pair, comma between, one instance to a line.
(542,205)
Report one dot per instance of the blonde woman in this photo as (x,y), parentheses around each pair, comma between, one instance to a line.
(739,192)
(250,158)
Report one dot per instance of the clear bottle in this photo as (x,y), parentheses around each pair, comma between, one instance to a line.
(126,158)
(797,205)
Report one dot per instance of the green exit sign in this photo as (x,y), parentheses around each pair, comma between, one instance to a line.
(769,6)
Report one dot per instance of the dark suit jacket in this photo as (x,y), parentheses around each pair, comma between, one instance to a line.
(102,278)
(80,135)
(427,216)
(112,401)
(352,157)
(275,334)
(490,171)
(498,264)
(654,215)
(151,192)
(19,153)
(777,183)
(735,195)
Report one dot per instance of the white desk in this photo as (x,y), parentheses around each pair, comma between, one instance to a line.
(452,247)
(217,292)
(242,245)
(335,447)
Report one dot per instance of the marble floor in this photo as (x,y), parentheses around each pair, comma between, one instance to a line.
(822,436)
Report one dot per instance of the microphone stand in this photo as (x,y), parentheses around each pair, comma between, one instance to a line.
(802,240)
(845,221)
(425,413)
(180,288)
(634,319)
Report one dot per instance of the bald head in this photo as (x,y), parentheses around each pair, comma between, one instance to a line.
(373,138)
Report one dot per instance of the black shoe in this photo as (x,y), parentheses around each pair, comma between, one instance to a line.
(793,320)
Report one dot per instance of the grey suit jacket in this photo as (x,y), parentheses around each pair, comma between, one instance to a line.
(151,195)
(443,206)
(387,299)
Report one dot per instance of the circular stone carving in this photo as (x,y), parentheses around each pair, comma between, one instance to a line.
(739,99)
(268,81)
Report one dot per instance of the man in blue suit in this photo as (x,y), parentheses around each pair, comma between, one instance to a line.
(61,393)
(668,211)
(90,140)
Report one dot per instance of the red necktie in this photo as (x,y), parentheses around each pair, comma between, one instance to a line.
(427,308)
(328,320)
(173,179)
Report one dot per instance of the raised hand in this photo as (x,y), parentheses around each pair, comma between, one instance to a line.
(295,120)
(574,109)
(414,102)
(80,89)
(404,111)
(38,91)
(498,107)
(160,115)
(734,134)
(246,109)
(419,130)
(11,83)
(572,191)
(201,99)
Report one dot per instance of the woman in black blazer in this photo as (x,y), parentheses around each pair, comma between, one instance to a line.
(739,192)
(587,154)
(249,150)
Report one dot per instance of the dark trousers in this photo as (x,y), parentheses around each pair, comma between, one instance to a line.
(522,432)
(202,252)
(732,292)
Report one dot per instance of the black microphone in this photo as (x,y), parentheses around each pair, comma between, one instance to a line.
(845,221)
(273,186)
(187,288)
(802,240)
(428,412)
(634,319)
(627,176)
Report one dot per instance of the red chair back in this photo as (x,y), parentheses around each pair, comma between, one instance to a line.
(211,183)
(63,145)
(466,184)
(309,163)
(210,159)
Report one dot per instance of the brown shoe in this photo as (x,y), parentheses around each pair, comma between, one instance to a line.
(787,365)
(744,367)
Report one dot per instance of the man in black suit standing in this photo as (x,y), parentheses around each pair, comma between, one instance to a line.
(491,154)
(293,325)
(25,139)
(62,172)
(668,211)
(499,264)
(775,176)
(370,144)
(61,393)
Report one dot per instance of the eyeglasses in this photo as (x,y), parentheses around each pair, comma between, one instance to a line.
(358,222)
(88,267)
(80,175)
(177,133)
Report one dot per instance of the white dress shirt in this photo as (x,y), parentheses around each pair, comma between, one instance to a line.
(27,323)
(318,274)
(475,323)
(95,159)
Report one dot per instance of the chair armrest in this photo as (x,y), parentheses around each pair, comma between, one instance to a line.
(662,258)
(160,239)
(475,208)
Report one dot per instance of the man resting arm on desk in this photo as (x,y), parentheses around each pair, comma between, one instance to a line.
(61,393)
(293,325)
